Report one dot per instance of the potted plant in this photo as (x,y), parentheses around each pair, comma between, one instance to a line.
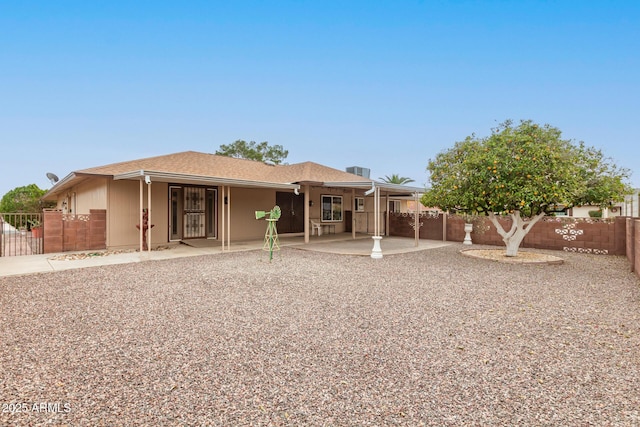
(36,228)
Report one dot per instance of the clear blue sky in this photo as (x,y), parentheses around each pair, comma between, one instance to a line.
(379,84)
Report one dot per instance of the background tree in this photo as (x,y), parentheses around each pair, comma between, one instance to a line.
(396,179)
(261,152)
(524,171)
(22,199)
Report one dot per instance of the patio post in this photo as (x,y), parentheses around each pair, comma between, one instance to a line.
(353,216)
(386,222)
(228,218)
(148,181)
(416,224)
(307,197)
(376,252)
(140,213)
(223,225)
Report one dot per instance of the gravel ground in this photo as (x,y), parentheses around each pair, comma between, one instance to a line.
(425,338)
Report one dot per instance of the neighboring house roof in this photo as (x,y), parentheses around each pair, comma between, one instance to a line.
(195,166)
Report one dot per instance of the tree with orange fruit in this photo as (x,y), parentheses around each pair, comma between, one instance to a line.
(525,172)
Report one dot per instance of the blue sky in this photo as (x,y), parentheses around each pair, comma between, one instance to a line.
(379,84)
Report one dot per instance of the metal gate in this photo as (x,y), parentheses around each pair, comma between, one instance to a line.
(194,212)
(21,234)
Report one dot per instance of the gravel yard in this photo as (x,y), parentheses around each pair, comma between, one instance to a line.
(424,338)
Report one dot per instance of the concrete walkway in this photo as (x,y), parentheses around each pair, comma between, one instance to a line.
(339,244)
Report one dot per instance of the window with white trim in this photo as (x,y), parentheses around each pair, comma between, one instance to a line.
(331,208)
(359,204)
(394,205)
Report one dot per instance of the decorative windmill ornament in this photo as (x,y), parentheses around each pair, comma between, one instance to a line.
(271,235)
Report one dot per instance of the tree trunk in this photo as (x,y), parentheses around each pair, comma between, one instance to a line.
(519,229)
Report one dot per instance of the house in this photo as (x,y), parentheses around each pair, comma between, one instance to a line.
(193,195)
(628,207)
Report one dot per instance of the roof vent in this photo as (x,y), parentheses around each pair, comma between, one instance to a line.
(357,170)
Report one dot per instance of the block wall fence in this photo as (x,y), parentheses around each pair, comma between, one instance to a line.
(618,236)
(64,232)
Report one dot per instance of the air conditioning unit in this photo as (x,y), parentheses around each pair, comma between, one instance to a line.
(357,170)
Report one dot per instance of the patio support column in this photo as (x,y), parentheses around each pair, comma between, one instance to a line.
(376,202)
(223,223)
(148,181)
(307,198)
(140,218)
(353,214)
(386,222)
(376,252)
(228,218)
(416,224)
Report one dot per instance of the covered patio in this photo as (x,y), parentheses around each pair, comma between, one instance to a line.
(341,243)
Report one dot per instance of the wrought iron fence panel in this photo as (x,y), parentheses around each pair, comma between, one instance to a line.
(21,234)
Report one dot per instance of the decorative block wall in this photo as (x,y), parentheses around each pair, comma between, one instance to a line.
(65,232)
(557,233)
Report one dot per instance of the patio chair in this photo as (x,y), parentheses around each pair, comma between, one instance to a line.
(317,226)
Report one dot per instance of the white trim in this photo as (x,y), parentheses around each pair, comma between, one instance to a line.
(178,178)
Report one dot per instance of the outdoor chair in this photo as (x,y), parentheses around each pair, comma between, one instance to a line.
(317,226)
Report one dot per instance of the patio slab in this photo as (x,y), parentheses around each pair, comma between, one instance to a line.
(339,244)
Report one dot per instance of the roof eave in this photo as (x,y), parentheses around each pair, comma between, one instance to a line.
(178,177)
(396,188)
(60,185)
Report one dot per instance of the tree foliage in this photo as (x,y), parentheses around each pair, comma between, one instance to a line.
(22,200)
(262,152)
(526,171)
(396,179)
(527,168)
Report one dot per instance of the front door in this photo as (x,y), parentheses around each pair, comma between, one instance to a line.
(292,208)
(192,212)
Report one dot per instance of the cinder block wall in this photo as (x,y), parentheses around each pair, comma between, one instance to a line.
(555,233)
(52,231)
(401,224)
(636,247)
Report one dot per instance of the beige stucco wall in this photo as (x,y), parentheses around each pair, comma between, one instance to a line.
(244,202)
(315,211)
(123,213)
(121,199)
(91,194)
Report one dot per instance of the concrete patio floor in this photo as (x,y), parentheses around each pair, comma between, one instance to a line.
(342,243)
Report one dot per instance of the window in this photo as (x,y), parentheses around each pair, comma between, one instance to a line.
(394,205)
(359,204)
(332,208)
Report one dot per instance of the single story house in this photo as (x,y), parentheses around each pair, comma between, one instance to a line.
(193,195)
(629,207)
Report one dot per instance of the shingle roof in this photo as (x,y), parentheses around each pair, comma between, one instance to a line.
(211,165)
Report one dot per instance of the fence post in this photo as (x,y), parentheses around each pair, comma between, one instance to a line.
(53,231)
(631,243)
